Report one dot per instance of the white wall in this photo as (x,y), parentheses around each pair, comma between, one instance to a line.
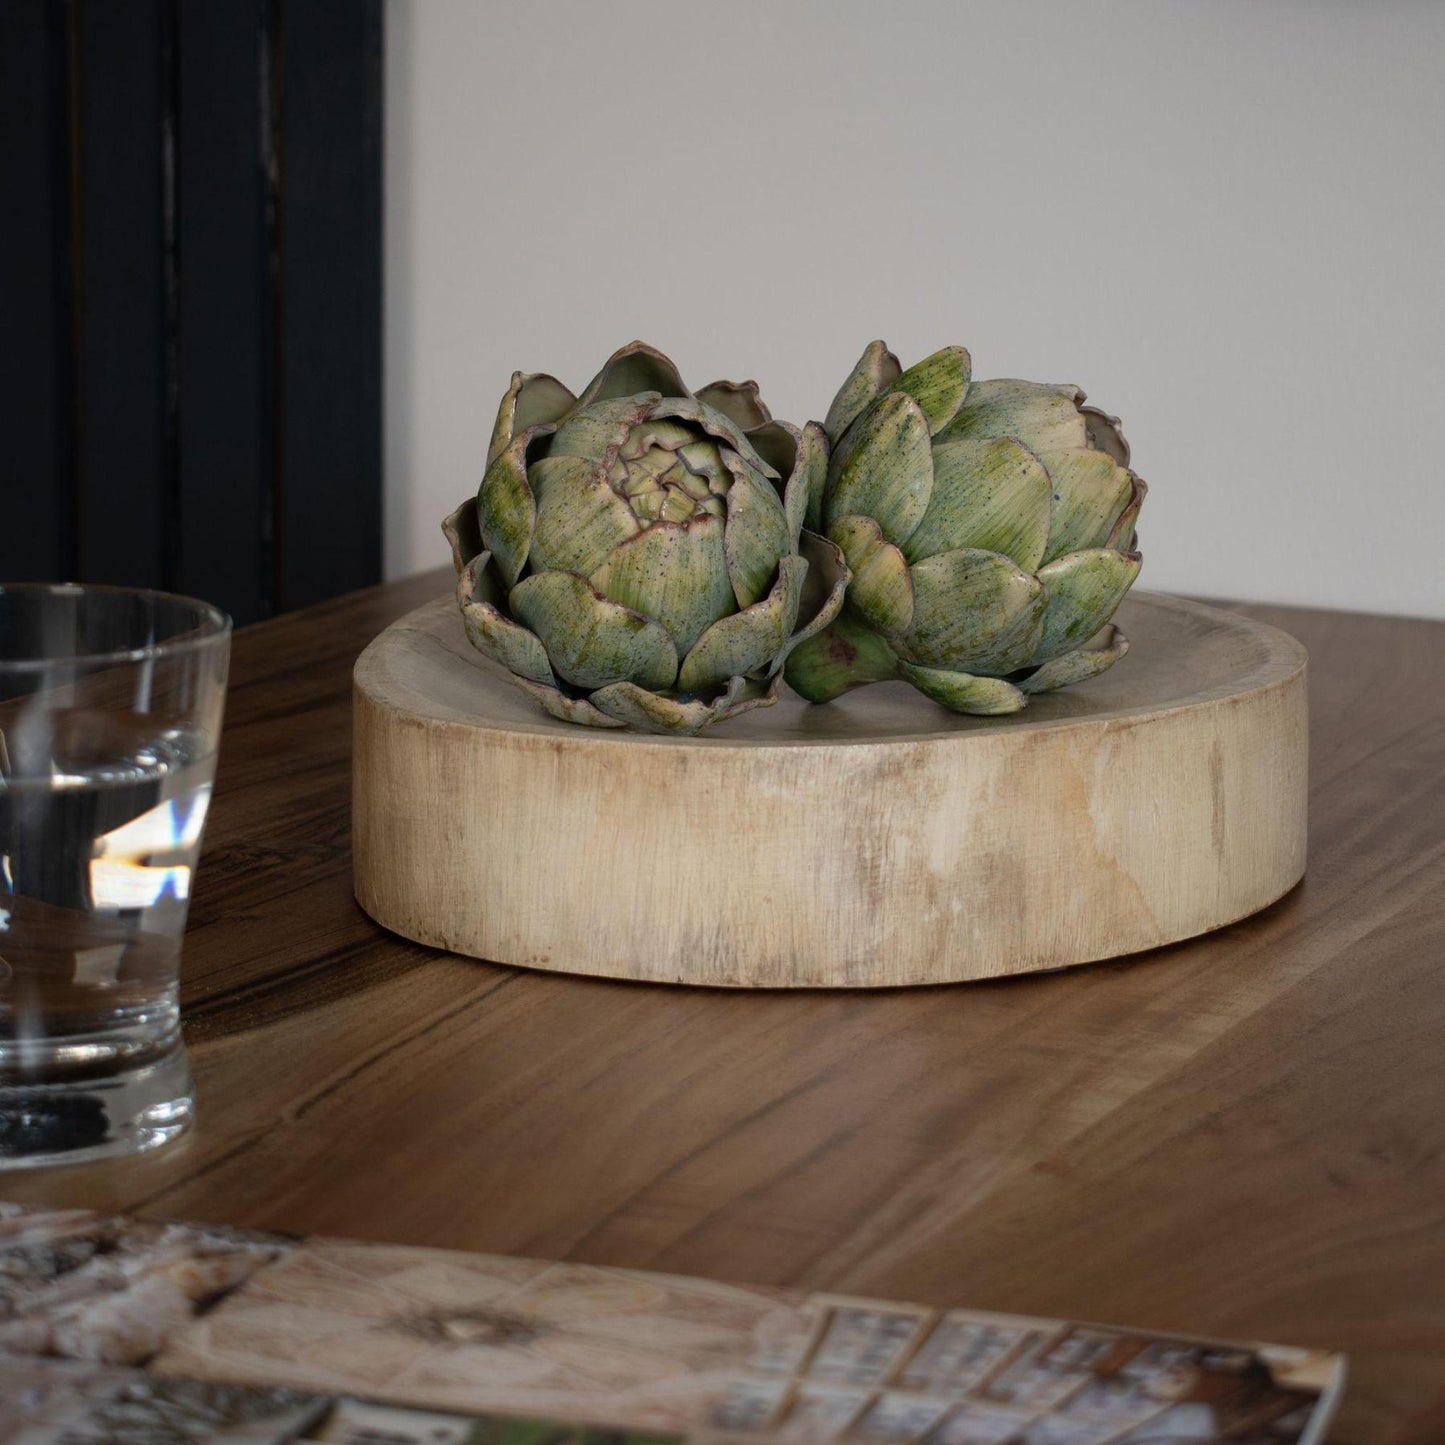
(1224,221)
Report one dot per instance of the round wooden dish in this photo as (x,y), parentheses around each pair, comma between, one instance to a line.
(874,841)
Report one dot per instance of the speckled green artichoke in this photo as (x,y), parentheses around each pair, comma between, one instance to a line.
(635,556)
(989,527)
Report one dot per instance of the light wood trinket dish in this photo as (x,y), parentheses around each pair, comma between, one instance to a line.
(871,842)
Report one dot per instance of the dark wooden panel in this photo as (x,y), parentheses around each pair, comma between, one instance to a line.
(329,527)
(123,334)
(226,370)
(37,460)
(176,293)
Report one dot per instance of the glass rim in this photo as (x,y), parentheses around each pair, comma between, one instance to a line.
(213,626)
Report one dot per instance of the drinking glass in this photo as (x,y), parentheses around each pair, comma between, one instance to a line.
(110,713)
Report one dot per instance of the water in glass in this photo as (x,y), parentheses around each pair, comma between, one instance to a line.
(106,765)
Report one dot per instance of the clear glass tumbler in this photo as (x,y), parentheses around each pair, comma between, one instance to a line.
(110,714)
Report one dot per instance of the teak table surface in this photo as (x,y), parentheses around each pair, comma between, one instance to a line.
(1243,1135)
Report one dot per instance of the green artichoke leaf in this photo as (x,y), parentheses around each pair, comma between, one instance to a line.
(1106,434)
(757,534)
(883,469)
(675,572)
(505,507)
(877,369)
(811,474)
(717,425)
(1090,493)
(597,431)
(799,461)
(938,384)
(631,369)
(1124,537)
(480,595)
(963,692)
(776,443)
(592,641)
(882,588)
(1042,415)
(533,399)
(648,712)
(1076,666)
(750,640)
(824,586)
(992,495)
(845,654)
(973,611)
(464,533)
(739,402)
(478,583)
(580,518)
(743,694)
(1084,589)
(567,708)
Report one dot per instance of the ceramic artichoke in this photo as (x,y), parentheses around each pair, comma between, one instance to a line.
(990,530)
(635,555)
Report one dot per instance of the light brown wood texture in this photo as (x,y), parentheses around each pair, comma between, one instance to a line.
(1242,1135)
(878,841)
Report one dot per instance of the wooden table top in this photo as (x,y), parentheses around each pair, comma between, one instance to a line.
(1242,1136)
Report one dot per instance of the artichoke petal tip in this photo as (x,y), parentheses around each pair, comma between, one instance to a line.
(964,692)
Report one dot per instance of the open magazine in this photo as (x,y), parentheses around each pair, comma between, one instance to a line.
(122,1330)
